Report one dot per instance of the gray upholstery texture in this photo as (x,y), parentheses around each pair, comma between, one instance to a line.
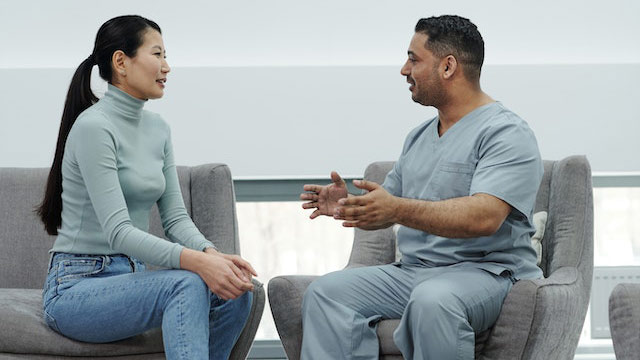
(540,319)
(624,320)
(210,200)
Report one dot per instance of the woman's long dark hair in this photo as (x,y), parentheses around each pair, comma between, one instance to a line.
(124,33)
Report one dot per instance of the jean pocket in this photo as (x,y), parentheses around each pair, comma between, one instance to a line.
(79,267)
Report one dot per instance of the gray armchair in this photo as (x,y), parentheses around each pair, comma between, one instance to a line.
(540,319)
(210,201)
(624,320)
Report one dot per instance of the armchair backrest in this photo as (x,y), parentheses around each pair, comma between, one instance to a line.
(207,191)
(565,193)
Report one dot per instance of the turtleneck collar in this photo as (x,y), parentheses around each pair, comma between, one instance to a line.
(123,103)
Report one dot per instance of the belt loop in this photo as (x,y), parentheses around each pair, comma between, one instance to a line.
(50,261)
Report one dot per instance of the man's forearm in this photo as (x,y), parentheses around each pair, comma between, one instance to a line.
(465,217)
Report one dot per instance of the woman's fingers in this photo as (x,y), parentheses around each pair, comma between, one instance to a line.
(242,263)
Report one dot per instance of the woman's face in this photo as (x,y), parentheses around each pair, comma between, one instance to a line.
(146,73)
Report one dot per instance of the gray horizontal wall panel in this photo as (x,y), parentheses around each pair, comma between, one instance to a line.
(307,121)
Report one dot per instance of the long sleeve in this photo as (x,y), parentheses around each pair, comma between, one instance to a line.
(177,224)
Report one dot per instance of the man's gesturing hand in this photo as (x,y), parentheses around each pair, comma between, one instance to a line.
(374,210)
(324,198)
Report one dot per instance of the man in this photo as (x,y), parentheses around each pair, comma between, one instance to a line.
(462,191)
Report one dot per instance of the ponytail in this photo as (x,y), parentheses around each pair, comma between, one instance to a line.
(123,33)
(79,98)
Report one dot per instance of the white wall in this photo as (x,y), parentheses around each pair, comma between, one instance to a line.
(286,88)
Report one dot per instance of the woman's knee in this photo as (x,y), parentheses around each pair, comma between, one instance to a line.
(188,283)
(243,303)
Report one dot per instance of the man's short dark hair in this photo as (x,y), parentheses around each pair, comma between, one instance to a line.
(457,36)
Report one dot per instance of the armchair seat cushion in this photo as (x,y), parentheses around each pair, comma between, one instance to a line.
(385,334)
(23,331)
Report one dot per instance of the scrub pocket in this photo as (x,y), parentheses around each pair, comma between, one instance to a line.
(451,180)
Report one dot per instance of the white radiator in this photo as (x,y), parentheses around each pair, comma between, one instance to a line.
(604,280)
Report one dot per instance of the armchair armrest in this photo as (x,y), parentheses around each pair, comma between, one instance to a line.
(243,345)
(285,298)
(535,310)
(624,317)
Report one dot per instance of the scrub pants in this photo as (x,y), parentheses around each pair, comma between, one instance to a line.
(440,309)
(104,298)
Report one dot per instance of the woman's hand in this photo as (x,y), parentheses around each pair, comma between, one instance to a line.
(227,276)
(241,263)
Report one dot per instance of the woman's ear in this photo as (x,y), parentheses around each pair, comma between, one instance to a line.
(118,61)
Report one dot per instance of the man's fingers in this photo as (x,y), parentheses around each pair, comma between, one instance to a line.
(310,205)
(315,214)
(312,187)
(352,211)
(366,185)
(359,200)
(350,223)
(309,196)
(336,179)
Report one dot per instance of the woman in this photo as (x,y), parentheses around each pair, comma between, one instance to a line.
(113,161)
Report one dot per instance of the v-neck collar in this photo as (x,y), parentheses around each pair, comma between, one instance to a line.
(435,136)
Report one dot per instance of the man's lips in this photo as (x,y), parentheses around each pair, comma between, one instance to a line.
(411,83)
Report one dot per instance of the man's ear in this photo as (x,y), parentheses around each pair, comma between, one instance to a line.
(450,66)
(118,61)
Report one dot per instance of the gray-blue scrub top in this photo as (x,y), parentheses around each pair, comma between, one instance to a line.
(491,150)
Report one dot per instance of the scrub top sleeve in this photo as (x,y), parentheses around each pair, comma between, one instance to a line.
(393,181)
(509,166)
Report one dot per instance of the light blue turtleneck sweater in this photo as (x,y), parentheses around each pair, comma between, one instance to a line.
(118,161)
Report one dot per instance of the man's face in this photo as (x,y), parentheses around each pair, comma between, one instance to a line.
(421,71)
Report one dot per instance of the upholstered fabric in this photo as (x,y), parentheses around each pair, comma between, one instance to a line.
(23,242)
(540,319)
(539,222)
(21,313)
(624,320)
(209,198)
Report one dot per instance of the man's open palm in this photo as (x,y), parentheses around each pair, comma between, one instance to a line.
(324,198)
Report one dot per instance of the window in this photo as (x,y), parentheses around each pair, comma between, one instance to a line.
(616,226)
(278,238)
(616,244)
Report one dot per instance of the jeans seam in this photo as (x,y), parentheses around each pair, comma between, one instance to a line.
(183,342)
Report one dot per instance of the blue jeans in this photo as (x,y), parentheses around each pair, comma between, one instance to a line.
(104,298)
